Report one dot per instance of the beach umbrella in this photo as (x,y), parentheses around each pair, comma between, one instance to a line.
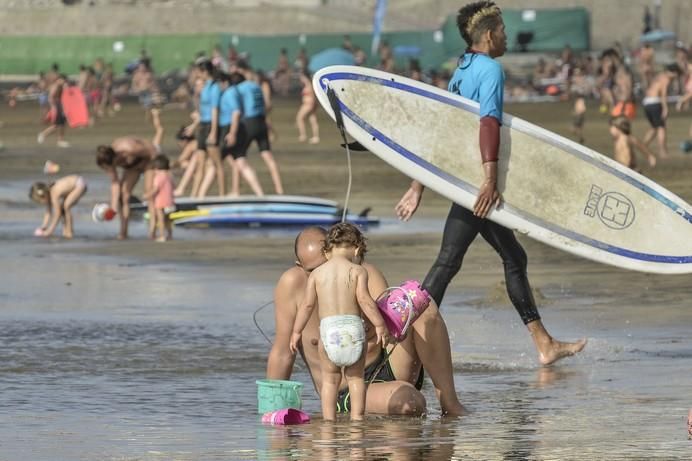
(330,57)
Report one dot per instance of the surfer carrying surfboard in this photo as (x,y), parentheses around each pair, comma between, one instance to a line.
(480,77)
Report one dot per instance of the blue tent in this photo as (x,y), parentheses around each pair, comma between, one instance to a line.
(330,57)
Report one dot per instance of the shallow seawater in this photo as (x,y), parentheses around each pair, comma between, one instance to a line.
(105,358)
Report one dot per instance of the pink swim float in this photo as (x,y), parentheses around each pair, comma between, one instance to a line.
(285,417)
(401,306)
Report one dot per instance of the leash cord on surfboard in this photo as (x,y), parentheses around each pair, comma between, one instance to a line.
(350,178)
(336,107)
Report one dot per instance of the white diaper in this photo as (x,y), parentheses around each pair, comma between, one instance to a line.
(343,337)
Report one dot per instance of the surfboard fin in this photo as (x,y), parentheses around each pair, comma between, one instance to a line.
(355,146)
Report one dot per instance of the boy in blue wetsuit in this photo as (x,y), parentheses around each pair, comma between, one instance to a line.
(254,118)
(480,78)
(232,132)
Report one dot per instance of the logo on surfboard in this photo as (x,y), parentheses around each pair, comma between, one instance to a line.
(613,209)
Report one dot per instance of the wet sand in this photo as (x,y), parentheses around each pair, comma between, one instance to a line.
(148,351)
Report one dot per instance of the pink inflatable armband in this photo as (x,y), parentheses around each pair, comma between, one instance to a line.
(401,306)
(285,417)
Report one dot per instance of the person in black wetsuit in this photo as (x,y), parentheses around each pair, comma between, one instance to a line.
(481,78)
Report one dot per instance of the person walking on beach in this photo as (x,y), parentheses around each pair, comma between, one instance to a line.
(395,376)
(481,78)
(207,125)
(341,288)
(133,156)
(254,118)
(233,135)
(147,90)
(56,114)
(59,198)
(307,109)
(656,107)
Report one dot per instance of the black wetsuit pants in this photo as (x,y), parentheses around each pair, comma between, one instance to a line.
(461,229)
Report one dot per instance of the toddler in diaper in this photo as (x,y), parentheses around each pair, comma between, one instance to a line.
(340,288)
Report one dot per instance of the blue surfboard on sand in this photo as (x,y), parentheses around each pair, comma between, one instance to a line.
(273,219)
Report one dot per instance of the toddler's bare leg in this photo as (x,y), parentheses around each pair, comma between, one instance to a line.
(356,387)
(331,378)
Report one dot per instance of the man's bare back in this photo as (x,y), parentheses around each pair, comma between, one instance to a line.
(658,87)
(133,152)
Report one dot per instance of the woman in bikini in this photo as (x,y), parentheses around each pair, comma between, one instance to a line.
(308,108)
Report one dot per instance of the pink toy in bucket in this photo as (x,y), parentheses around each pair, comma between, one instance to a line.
(401,306)
(285,417)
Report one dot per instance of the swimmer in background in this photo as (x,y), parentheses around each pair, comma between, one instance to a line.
(625,143)
(656,107)
(59,198)
(340,287)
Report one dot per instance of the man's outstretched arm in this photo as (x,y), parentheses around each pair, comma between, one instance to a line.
(281,360)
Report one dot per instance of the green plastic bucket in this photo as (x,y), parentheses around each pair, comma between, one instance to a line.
(275,394)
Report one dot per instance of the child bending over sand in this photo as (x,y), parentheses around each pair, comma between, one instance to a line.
(59,198)
(340,288)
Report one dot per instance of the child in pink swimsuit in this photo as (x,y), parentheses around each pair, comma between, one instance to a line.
(162,194)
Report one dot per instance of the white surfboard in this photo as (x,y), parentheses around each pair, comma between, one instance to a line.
(554,190)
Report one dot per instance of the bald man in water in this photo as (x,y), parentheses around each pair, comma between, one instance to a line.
(395,389)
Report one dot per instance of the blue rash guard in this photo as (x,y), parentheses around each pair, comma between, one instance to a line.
(229,103)
(480,78)
(252,99)
(208,100)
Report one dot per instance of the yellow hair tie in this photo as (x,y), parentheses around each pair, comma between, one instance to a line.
(480,14)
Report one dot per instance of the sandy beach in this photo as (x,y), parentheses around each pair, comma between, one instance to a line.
(138,350)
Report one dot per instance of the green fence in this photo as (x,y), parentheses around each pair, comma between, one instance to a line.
(29,55)
(549,30)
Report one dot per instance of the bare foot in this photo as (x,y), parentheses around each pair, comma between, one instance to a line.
(302,138)
(177,193)
(122,237)
(314,140)
(556,350)
(67,235)
(455,411)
